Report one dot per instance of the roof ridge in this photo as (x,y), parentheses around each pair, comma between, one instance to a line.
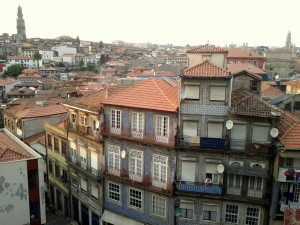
(207,61)
(162,92)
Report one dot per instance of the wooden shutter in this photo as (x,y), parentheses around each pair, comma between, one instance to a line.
(211,168)
(239,132)
(190,128)
(188,170)
(192,92)
(94,160)
(215,130)
(217,93)
(260,133)
(186,205)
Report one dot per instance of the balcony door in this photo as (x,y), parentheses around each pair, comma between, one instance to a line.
(188,169)
(238,136)
(115,122)
(137,125)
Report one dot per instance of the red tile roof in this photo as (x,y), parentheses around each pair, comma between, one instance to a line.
(6,81)
(19,58)
(241,53)
(270,92)
(10,150)
(238,67)
(278,52)
(41,111)
(206,69)
(152,93)
(291,138)
(151,74)
(34,75)
(24,91)
(34,138)
(294,83)
(208,49)
(287,122)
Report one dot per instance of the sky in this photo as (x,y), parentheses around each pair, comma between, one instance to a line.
(178,22)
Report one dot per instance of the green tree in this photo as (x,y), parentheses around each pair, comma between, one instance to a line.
(14,70)
(37,57)
(101,45)
(81,63)
(60,64)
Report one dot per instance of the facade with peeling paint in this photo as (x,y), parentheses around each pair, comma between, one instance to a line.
(22,190)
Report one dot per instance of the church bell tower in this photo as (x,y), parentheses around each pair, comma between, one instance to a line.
(21,29)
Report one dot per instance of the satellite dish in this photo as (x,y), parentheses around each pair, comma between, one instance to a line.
(182,94)
(276,77)
(274,132)
(220,168)
(229,124)
(123,154)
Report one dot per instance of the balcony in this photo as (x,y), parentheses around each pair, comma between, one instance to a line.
(84,130)
(234,190)
(143,181)
(140,136)
(196,187)
(83,167)
(246,145)
(202,142)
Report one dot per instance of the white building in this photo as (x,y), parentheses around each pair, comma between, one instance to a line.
(46,54)
(62,50)
(21,60)
(22,191)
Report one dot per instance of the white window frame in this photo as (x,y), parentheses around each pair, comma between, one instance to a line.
(116,121)
(95,191)
(137,125)
(135,200)
(162,129)
(83,184)
(159,206)
(83,160)
(73,155)
(231,214)
(233,178)
(136,165)
(220,131)
(160,171)
(254,220)
(114,192)
(207,206)
(255,183)
(114,160)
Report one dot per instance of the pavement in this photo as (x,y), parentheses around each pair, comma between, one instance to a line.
(55,218)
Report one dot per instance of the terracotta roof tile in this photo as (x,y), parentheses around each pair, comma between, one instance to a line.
(10,150)
(35,137)
(19,58)
(242,53)
(206,69)
(270,92)
(278,52)
(238,67)
(151,74)
(24,91)
(41,111)
(7,81)
(208,49)
(294,83)
(291,138)
(287,122)
(152,93)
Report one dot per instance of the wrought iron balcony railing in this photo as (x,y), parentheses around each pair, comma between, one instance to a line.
(141,136)
(84,130)
(141,180)
(196,187)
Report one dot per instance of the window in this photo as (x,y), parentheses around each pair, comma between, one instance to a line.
(57,171)
(73,118)
(162,129)
(5,121)
(252,216)
(64,177)
(238,136)
(33,179)
(286,162)
(217,93)
(260,133)
(297,106)
(83,119)
(63,148)
(186,209)
(83,157)
(50,167)
(210,212)
(137,125)
(115,122)
(73,155)
(192,92)
(135,198)
(160,170)
(49,138)
(159,206)
(95,191)
(231,214)
(255,183)
(255,62)
(83,184)
(215,130)
(234,180)
(94,162)
(95,125)
(212,173)
(114,160)
(74,180)
(135,165)
(56,144)
(114,191)
(188,170)
(190,128)
(254,86)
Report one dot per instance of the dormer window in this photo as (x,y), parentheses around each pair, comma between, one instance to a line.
(254,86)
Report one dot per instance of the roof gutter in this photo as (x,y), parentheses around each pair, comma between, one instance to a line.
(74,107)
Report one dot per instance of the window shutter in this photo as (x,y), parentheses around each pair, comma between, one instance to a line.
(95,191)
(190,128)
(260,134)
(210,208)
(72,145)
(82,152)
(211,168)
(192,91)
(217,93)
(215,130)
(186,205)
(188,171)
(238,131)
(83,184)
(94,160)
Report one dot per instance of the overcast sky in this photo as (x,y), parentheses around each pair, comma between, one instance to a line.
(179,22)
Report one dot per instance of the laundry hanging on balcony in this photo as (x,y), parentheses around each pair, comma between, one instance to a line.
(297,177)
